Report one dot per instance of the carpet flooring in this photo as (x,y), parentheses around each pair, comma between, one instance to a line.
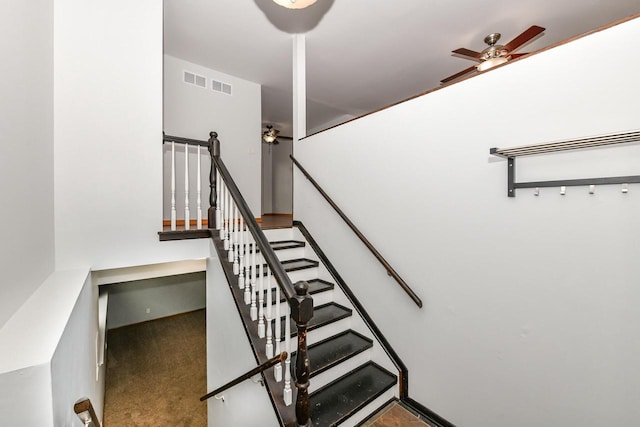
(156,373)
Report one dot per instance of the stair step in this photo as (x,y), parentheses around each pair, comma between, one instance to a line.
(280,245)
(322,315)
(315,287)
(340,399)
(294,265)
(336,349)
(286,244)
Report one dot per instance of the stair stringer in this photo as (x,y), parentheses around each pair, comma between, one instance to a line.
(355,322)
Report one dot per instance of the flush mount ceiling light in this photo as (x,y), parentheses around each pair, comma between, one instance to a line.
(295,4)
(270,135)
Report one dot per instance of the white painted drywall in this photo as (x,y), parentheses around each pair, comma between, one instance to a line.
(277,177)
(191,111)
(108,136)
(75,372)
(49,352)
(25,397)
(229,355)
(530,303)
(267,178)
(283,177)
(26,160)
(161,297)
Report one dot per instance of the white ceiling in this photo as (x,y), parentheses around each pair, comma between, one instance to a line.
(362,54)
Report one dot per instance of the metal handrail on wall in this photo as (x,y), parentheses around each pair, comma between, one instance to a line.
(390,270)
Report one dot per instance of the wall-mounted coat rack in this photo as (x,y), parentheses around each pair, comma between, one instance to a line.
(573,144)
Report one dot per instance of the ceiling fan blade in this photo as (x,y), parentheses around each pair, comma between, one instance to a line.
(460,74)
(517,55)
(527,35)
(468,52)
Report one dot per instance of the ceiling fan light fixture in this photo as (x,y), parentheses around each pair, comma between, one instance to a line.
(490,63)
(270,135)
(295,4)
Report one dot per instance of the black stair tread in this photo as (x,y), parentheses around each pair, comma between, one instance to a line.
(286,244)
(292,265)
(322,315)
(341,398)
(315,287)
(336,349)
(280,245)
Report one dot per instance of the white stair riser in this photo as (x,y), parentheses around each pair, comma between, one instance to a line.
(277,234)
(322,333)
(293,253)
(339,370)
(319,299)
(304,274)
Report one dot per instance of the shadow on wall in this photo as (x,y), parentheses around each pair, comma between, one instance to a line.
(142,300)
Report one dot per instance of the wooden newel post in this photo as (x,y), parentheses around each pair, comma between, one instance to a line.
(214,151)
(301,313)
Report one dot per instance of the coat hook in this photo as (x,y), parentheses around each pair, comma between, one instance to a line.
(536,191)
(592,189)
(563,190)
(625,188)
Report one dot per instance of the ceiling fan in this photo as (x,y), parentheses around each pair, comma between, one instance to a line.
(495,54)
(270,136)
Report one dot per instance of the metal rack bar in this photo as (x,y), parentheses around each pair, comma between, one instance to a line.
(573,144)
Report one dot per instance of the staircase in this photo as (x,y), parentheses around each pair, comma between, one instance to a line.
(350,374)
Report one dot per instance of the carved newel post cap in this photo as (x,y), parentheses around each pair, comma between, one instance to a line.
(213,134)
(301,288)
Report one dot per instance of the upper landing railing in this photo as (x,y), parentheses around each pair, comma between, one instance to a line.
(251,263)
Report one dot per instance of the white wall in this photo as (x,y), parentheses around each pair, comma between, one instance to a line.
(74,367)
(277,177)
(164,296)
(229,355)
(530,314)
(48,359)
(108,133)
(191,111)
(26,159)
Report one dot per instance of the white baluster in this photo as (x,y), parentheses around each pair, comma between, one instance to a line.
(241,248)
(236,241)
(287,394)
(226,220)
(218,198)
(253,311)
(261,330)
(277,371)
(220,209)
(173,186)
(187,216)
(247,284)
(269,345)
(199,189)
(232,231)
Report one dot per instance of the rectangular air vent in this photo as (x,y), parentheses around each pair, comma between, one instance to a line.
(195,79)
(221,87)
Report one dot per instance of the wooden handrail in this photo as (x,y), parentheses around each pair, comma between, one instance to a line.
(298,298)
(390,270)
(183,140)
(84,410)
(266,365)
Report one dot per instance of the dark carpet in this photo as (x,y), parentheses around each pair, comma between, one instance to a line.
(156,373)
